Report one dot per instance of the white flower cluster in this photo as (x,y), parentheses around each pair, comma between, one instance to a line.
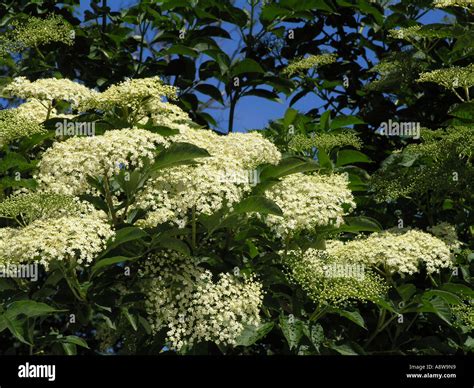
(49,89)
(79,233)
(402,251)
(65,166)
(310,269)
(138,98)
(302,64)
(35,32)
(36,111)
(309,201)
(14,124)
(26,207)
(249,150)
(453,3)
(208,185)
(170,195)
(165,114)
(185,300)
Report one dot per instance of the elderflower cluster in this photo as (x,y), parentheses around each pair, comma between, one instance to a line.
(165,114)
(325,141)
(35,32)
(53,228)
(464,314)
(451,78)
(401,251)
(203,187)
(30,206)
(447,233)
(453,3)
(192,307)
(248,150)
(310,62)
(308,202)
(35,110)
(14,124)
(49,89)
(60,239)
(420,32)
(134,95)
(65,166)
(405,33)
(310,270)
(208,185)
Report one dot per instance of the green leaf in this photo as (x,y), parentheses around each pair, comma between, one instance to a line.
(17,328)
(174,244)
(324,160)
(343,349)
(290,116)
(28,308)
(69,348)
(258,204)
(448,297)
(178,153)
(463,291)
(246,66)
(268,94)
(325,119)
(125,235)
(287,166)
(181,50)
(315,334)
(159,129)
(360,224)
(252,334)
(353,316)
(463,111)
(211,91)
(72,339)
(130,318)
(345,121)
(345,157)
(293,331)
(406,291)
(253,250)
(101,264)
(387,305)
(437,306)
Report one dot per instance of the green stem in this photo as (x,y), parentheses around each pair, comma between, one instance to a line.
(71,278)
(381,326)
(458,95)
(318,313)
(50,109)
(233,103)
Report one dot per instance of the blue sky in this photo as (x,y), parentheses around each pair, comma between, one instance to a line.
(254,112)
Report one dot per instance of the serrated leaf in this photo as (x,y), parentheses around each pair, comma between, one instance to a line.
(258,204)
